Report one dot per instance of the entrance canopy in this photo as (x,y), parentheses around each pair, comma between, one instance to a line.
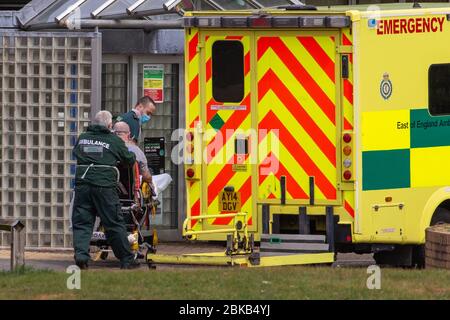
(50,14)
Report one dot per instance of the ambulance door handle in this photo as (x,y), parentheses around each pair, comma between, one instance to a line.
(283,189)
(377,207)
(241,145)
(344,66)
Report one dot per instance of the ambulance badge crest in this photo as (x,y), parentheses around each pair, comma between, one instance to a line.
(386,86)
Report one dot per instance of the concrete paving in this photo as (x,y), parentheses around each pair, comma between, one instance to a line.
(60,260)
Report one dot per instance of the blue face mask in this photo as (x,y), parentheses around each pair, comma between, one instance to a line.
(145,118)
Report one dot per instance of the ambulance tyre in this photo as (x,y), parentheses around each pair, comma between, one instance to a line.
(418,257)
(440,216)
(399,256)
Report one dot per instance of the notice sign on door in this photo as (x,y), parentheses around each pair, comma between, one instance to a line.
(154,82)
(154,149)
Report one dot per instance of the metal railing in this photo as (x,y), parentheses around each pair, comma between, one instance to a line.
(17,229)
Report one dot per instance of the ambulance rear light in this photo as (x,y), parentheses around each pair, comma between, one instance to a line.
(234,22)
(264,21)
(347,163)
(190,148)
(190,136)
(190,173)
(337,22)
(189,159)
(347,137)
(260,22)
(209,22)
(347,150)
(312,22)
(348,157)
(347,175)
(285,22)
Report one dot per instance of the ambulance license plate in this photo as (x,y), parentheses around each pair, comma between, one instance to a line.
(229,201)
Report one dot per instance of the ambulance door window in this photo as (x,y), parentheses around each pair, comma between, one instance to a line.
(228,71)
(439,89)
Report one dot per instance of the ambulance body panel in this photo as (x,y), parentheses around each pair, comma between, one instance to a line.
(318,115)
(403,150)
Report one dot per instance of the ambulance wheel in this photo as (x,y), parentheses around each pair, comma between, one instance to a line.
(400,256)
(418,257)
(440,216)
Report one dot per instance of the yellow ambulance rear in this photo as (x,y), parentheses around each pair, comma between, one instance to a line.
(320,122)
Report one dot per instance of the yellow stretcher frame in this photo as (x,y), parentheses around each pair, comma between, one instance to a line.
(221,259)
(238,255)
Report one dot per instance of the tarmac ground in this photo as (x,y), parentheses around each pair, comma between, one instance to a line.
(60,260)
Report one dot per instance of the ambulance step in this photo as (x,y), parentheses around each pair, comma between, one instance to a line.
(276,254)
(294,247)
(287,238)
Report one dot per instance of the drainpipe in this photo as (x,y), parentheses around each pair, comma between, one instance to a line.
(147,25)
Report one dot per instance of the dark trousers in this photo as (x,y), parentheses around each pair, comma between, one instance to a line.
(89,202)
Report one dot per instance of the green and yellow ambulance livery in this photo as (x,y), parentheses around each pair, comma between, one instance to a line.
(351,109)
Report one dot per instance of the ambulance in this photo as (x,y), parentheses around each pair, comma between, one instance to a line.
(314,122)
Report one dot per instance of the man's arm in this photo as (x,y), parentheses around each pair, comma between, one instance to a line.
(126,157)
(146,176)
(142,159)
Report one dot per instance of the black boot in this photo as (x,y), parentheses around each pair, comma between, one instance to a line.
(83,265)
(134,264)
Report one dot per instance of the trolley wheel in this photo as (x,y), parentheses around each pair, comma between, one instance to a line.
(104,255)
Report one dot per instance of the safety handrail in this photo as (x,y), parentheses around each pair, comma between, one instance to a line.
(188,232)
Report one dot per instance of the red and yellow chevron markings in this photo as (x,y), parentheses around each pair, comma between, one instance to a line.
(348,86)
(349,196)
(193,63)
(193,112)
(220,139)
(298,160)
(285,52)
(296,94)
(270,81)
(296,112)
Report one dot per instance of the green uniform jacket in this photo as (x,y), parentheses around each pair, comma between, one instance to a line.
(98,146)
(133,122)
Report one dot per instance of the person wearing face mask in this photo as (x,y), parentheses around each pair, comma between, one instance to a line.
(142,113)
(122,130)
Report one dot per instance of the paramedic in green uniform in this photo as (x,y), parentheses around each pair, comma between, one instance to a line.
(98,152)
(142,113)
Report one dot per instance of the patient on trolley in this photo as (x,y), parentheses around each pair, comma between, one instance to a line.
(122,130)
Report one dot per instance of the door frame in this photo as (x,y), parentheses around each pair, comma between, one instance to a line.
(165,234)
(253,117)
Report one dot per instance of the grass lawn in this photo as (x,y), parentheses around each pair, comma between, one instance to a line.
(228,283)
